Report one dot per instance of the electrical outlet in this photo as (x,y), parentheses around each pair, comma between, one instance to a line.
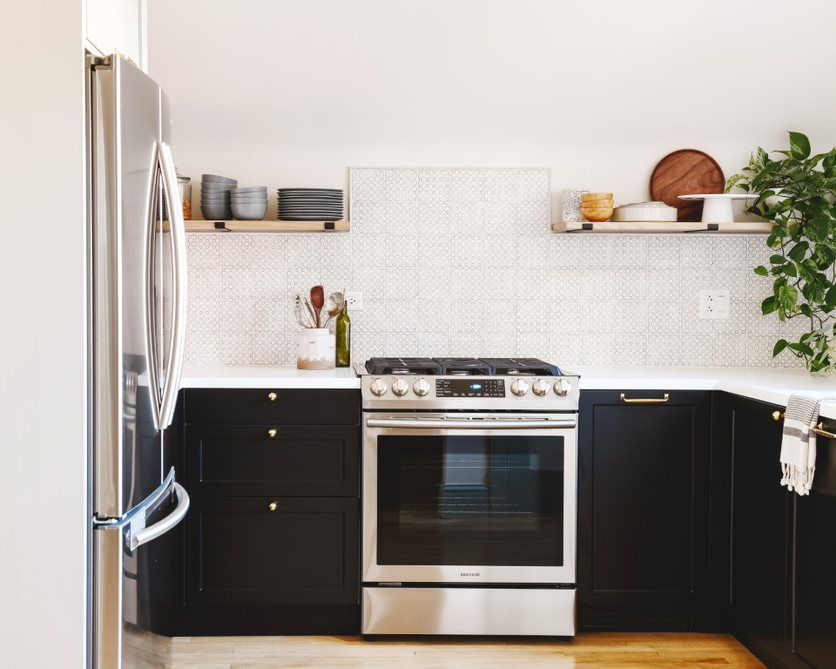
(354,300)
(714,304)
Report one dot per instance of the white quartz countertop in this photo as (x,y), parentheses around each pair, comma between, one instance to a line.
(769,385)
(231,376)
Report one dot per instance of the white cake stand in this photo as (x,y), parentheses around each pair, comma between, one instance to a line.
(718,206)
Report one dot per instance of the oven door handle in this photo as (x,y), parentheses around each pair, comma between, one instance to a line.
(466,424)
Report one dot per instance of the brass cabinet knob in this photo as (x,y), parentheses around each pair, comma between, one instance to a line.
(777,415)
(272,397)
(272,432)
(272,506)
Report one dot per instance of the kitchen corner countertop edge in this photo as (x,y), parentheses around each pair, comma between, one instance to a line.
(769,385)
(773,385)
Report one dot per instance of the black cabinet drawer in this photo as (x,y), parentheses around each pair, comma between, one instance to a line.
(284,406)
(241,552)
(293,460)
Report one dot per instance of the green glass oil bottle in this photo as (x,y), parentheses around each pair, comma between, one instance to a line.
(343,333)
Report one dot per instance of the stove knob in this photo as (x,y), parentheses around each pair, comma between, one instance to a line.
(421,387)
(519,387)
(540,387)
(562,387)
(399,387)
(379,387)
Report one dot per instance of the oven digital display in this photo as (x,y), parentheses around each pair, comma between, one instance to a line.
(469,388)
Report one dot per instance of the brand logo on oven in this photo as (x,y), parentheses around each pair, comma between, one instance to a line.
(469,573)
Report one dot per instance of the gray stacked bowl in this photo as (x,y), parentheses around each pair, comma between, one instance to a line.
(215,198)
(250,203)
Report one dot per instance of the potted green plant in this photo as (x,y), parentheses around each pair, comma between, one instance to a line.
(797,192)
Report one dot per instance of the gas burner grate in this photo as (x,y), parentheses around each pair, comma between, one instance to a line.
(521,367)
(464,367)
(417,366)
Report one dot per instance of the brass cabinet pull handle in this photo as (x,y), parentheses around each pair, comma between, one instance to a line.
(777,415)
(645,400)
(272,506)
(272,397)
(272,432)
(819,430)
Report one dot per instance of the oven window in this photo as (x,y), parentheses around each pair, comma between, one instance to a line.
(470,500)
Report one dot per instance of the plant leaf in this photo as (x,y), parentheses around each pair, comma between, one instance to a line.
(798,251)
(830,298)
(818,227)
(760,270)
(780,345)
(801,348)
(799,145)
(769,305)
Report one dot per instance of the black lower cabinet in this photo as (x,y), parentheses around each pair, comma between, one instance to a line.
(270,544)
(643,509)
(777,593)
(815,562)
(272,565)
(760,530)
(750,527)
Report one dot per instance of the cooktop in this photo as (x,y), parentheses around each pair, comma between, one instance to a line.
(462,367)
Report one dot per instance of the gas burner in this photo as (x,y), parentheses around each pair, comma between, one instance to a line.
(418,366)
(464,367)
(521,367)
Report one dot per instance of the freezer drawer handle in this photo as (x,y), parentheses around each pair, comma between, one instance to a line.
(136,539)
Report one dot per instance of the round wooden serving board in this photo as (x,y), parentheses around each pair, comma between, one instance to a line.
(681,173)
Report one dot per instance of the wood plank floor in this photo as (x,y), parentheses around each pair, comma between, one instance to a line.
(601,651)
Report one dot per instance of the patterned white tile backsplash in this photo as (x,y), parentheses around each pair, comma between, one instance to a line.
(461,262)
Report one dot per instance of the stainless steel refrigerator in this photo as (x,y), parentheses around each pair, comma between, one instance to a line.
(137,298)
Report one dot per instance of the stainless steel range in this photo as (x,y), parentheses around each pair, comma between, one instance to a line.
(469,496)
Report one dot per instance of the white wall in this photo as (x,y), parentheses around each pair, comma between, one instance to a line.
(42,373)
(291,93)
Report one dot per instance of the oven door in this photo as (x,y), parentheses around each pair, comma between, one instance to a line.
(469,498)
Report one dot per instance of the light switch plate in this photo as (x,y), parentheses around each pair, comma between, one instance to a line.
(714,304)
(354,300)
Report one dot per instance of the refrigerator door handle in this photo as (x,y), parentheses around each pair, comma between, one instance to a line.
(154,211)
(177,344)
(143,536)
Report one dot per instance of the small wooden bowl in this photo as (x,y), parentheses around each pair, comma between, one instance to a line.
(591,197)
(596,214)
(598,204)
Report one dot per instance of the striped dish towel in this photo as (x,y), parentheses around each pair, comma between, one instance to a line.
(798,446)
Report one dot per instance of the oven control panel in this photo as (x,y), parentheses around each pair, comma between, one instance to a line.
(474,393)
(469,388)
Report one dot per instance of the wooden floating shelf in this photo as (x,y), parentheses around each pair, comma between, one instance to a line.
(267,226)
(741,227)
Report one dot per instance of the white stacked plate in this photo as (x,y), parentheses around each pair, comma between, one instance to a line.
(249,203)
(215,196)
(310,204)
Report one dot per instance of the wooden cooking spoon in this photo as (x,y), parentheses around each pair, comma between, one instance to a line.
(318,301)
